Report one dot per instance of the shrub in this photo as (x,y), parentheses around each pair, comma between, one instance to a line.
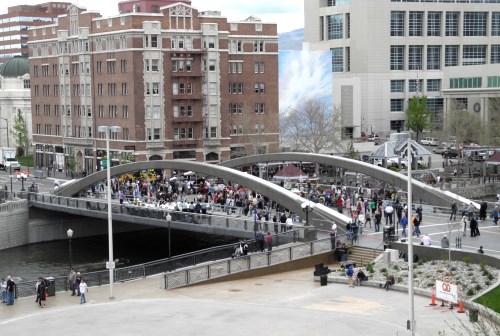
(470,292)
(478,287)
(487,283)
(448,179)
(482,264)
(467,260)
(491,276)
(369,267)
(383,270)
(433,263)
(453,269)
(420,263)
(400,279)
(396,267)
(440,271)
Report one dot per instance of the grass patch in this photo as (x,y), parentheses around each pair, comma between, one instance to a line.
(490,299)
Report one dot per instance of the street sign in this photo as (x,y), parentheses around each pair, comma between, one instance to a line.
(108,265)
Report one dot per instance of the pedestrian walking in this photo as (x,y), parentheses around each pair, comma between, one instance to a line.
(42,293)
(464,225)
(83,291)
(404,223)
(260,241)
(10,291)
(72,281)
(269,241)
(453,211)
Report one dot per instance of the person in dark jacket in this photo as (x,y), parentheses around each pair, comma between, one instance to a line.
(482,210)
(42,292)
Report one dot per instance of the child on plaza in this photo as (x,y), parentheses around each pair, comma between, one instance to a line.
(83,291)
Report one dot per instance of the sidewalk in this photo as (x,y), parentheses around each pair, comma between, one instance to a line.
(289,303)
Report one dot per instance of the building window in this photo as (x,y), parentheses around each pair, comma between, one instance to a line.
(397,105)
(474,54)
(258,67)
(495,54)
(452,19)
(258,46)
(415,58)
(433,57)
(434,24)
(398,85)
(495,24)
(415,86)
(475,23)
(235,88)
(213,132)
(397,57)
(155,65)
(493,81)
(415,24)
(434,85)
(259,108)
(26,83)
(397,125)
(451,56)
(259,87)
(336,26)
(466,83)
(337,59)
(398,23)
(211,65)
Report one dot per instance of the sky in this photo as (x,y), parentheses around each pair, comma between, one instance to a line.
(288,14)
(304,75)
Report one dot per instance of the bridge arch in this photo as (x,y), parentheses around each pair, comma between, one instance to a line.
(286,198)
(421,191)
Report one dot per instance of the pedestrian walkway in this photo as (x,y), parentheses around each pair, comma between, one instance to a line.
(288,303)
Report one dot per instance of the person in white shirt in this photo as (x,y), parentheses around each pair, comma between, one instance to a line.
(83,291)
(426,240)
(289,222)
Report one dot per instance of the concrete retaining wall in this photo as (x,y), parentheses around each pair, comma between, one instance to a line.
(13,224)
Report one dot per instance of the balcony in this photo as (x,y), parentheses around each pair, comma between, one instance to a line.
(155,144)
(193,96)
(81,142)
(182,73)
(186,119)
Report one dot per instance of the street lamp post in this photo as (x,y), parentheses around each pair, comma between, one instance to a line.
(111,263)
(169,219)
(307,207)
(7,128)
(70,234)
(22,176)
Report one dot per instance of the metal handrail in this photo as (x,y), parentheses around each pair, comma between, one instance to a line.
(99,278)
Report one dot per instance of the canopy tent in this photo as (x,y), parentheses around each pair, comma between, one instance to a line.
(494,160)
(289,173)
(392,149)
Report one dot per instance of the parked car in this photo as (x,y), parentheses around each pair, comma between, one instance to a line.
(428,141)
(450,153)
(374,137)
(440,150)
(433,142)
(425,141)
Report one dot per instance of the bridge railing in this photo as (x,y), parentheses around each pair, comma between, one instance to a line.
(212,216)
(99,278)
(222,268)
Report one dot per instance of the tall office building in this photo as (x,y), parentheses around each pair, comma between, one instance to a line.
(182,84)
(386,51)
(146,6)
(15,23)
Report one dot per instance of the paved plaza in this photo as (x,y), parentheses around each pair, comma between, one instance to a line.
(288,303)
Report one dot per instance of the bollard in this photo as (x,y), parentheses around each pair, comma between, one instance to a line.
(433,297)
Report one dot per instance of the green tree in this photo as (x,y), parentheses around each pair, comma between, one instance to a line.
(71,163)
(418,114)
(20,129)
(351,152)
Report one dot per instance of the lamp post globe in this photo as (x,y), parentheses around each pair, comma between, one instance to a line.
(70,234)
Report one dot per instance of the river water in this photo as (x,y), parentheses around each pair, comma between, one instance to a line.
(28,262)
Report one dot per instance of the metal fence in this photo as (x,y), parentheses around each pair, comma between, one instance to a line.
(222,268)
(25,289)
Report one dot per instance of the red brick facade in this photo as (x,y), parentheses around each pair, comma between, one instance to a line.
(182,84)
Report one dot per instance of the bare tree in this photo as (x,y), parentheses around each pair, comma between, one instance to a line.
(462,124)
(312,126)
(493,124)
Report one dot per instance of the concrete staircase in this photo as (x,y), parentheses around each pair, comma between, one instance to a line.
(363,255)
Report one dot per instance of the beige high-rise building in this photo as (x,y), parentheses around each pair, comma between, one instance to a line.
(384,51)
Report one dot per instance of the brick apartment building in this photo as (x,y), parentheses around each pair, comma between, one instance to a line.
(15,23)
(146,6)
(182,84)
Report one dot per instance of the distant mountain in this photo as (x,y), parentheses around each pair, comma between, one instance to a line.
(291,40)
